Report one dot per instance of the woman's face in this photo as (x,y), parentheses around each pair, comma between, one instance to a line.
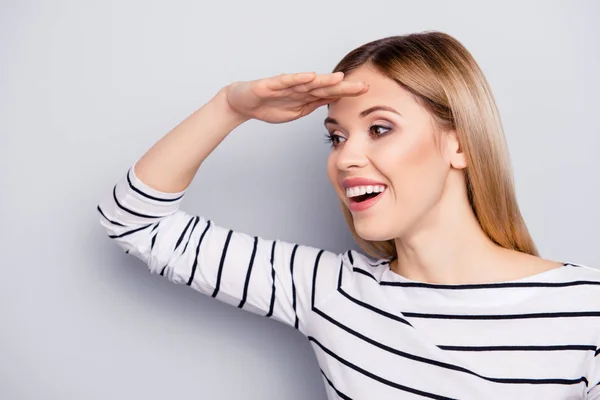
(393,151)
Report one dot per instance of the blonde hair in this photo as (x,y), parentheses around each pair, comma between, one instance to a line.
(444,78)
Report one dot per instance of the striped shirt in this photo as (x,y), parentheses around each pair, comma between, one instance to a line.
(377,335)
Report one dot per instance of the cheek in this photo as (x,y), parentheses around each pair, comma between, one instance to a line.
(416,171)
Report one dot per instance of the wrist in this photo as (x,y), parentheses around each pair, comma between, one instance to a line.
(229,113)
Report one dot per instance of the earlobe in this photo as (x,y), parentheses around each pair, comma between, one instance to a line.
(458,161)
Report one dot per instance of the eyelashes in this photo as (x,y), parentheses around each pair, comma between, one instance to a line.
(331,139)
(334,140)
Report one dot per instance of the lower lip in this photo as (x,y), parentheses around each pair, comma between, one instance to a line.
(364,205)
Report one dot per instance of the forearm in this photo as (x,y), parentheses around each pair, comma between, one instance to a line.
(172,162)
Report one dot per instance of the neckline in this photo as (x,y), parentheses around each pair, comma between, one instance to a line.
(541,277)
(427,297)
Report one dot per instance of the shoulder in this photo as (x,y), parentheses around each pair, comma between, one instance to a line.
(582,272)
(577,289)
(580,282)
(355,262)
(335,267)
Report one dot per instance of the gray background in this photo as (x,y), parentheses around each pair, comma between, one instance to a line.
(87,87)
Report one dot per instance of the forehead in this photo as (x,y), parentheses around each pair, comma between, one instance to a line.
(369,74)
(382,91)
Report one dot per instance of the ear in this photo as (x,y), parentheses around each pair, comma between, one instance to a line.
(454,153)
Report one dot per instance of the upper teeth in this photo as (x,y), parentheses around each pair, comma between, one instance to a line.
(360,190)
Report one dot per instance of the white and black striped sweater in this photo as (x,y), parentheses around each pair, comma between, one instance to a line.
(377,335)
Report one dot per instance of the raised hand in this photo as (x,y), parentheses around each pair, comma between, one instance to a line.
(287,97)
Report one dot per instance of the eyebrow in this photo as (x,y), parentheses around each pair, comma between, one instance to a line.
(363,114)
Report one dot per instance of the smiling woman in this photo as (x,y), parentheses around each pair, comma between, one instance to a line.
(454,300)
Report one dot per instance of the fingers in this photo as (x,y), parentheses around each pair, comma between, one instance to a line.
(285,81)
(324,80)
(321,86)
(342,89)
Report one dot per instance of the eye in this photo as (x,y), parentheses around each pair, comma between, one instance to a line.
(333,139)
(375,130)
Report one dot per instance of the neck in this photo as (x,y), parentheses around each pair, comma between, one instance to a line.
(448,246)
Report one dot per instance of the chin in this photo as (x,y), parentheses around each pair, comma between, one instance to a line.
(373,231)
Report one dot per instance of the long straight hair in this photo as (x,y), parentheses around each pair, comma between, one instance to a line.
(443,77)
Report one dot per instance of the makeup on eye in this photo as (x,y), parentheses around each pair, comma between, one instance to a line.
(387,128)
(334,140)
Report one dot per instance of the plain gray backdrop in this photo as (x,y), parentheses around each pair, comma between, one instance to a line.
(87,87)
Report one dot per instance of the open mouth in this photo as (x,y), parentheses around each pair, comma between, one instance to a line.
(364,197)
(360,194)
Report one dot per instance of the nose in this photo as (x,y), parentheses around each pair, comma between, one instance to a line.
(352,154)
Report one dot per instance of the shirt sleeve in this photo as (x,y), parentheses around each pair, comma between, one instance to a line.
(267,277)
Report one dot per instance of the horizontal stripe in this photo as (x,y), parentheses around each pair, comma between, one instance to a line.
(146,195)
(574,314)
(570,347)
(137,214)
(440,364)
(376,377)
(127,233)
(491,285)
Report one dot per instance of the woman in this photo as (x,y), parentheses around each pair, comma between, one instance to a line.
(453,302)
